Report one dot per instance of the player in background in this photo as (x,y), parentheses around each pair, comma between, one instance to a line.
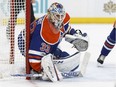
(19,6)
(46,34)
(108,45)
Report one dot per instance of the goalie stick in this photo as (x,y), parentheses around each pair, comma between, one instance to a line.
(71,74)
(65,75)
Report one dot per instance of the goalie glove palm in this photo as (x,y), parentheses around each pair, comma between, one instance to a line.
(80,42)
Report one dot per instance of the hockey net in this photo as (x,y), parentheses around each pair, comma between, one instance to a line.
(12,23)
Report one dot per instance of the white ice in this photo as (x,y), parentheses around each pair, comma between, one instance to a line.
(95,76)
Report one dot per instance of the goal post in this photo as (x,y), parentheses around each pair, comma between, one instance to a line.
(14,25)
(28,15)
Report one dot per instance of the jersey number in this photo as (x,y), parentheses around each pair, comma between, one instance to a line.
(45,47)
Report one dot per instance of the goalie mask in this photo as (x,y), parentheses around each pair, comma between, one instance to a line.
(56,15)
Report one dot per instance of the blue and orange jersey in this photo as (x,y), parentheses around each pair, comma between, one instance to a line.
(43,40)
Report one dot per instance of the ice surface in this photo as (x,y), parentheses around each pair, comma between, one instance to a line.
(95,76)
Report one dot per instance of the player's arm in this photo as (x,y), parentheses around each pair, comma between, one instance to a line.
(78,39)
(75,36)
(67,27)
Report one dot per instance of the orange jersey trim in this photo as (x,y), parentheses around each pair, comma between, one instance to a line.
(62,30)
(36,66)
(66,19)
(37,57)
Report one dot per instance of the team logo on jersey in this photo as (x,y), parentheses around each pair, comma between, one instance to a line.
(110,7)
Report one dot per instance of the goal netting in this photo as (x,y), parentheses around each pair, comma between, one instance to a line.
(13,27)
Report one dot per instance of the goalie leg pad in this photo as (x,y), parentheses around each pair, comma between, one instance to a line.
(50,69)
(69,63)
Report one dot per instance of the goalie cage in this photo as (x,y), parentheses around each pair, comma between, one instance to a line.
(13,18)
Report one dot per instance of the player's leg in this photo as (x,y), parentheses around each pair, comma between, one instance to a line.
(45,66)
(108,46)
(72,63)
(67,63)
(50,69)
